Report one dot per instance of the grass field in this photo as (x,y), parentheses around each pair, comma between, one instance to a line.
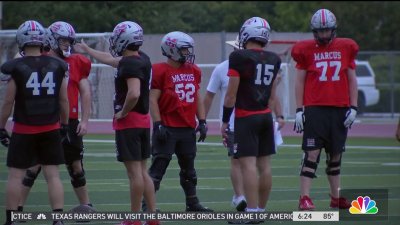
(368,163)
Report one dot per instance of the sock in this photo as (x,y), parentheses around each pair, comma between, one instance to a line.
(252,210)
(20,208)
(8,217)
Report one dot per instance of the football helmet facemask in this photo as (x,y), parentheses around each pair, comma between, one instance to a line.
(174,42)
(124,34)
(323,19)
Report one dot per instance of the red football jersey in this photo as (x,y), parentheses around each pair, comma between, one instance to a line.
(79,68)
(179,87)
(326,81)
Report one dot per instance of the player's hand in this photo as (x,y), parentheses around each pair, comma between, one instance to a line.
(350,116)
(160,131)
(299,121)
(202,127)
(281,122)
(80,47)
(81,130)
(224,133)
(4,137)
(65,139)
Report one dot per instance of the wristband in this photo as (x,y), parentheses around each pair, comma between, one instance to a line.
(226,114)
(354,107)
(300,109)
(283,118)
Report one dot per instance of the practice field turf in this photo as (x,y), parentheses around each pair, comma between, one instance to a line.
(367,164)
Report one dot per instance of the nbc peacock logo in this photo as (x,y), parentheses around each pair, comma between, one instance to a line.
(363,205)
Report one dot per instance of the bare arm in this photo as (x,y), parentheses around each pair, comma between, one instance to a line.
(132,97)
(230,96)
(275,105)
(103,57)
(299,87)
(63,101)
(8,103)
(85,93)
(201,115)
(353,87)
(154,109)
(208,98)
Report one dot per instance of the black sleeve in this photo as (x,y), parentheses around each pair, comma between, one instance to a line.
(8,67)
(130,68)
(235,60)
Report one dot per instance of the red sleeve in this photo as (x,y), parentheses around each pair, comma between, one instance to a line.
(156,81)
(298,56)
(233,73)
(353,48)
(85,66)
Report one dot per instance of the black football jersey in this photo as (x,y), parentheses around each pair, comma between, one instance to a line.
(257,70)
(133,67)
(38,80)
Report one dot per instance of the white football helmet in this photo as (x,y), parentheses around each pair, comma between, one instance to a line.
(59,30)
(30,33)
(256,29)
(172,44)
(124,34)
(234,43)
(321,20)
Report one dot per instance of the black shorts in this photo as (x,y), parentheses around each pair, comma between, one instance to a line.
(254,136)
(27,150)
(75,149)
(132,144)
(179,141)
(323,128)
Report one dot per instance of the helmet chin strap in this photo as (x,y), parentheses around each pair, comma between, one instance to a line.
(66,53)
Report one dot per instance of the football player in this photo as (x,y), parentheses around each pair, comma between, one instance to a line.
(326,99)
(251,93)
(61,37)
(38,91)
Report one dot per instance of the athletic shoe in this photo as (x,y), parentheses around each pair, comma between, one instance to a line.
(305,203)
(197,208)
(239,203)
(341,203)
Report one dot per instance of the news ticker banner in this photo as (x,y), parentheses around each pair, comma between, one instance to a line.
(176,216)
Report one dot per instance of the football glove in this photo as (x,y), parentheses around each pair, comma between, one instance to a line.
(299,121)
(160,131)
(4,137)
(202,128)
(65,139)
(350,116)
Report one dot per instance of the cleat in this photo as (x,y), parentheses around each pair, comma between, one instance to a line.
(341,203)
(306,204)
(152,222)
(83,209)
(197,208)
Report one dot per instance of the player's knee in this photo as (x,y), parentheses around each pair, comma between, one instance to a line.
(158,168)
(30,177)
(188,177)
(333,165)
(78,178)
(309,166)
